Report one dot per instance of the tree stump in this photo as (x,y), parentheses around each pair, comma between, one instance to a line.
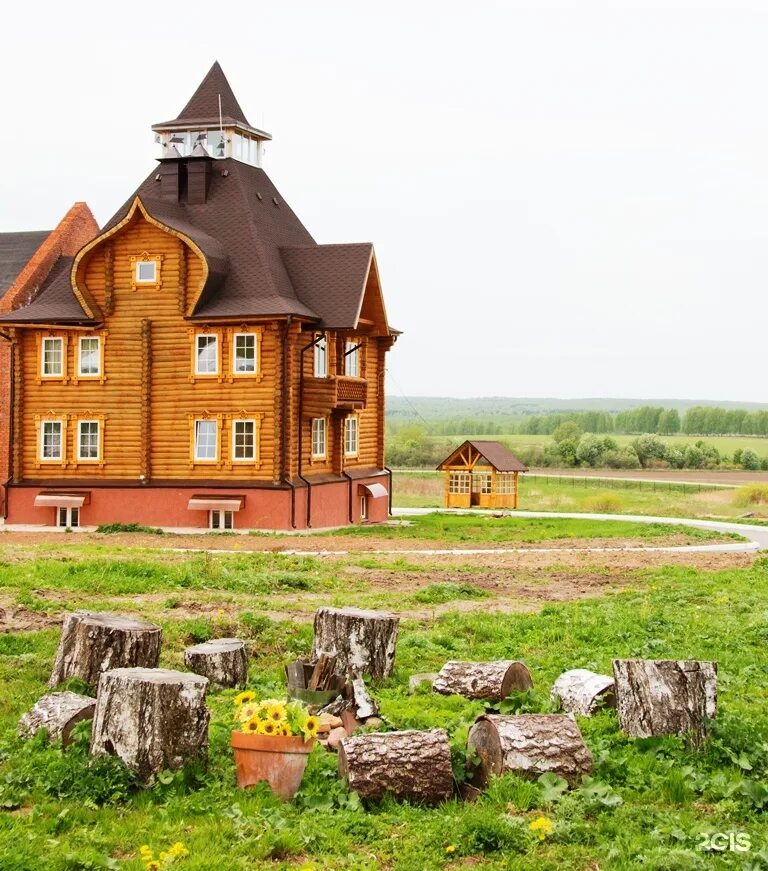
(492,681)
(362,641)
(580,691)
(93,642)
(57,713)
(152,718)
(223,661)
(411,766)
(665,696)
(529,745)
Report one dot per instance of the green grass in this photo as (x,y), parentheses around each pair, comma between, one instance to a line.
(646,806)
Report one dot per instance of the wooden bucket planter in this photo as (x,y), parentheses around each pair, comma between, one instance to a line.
(277,759)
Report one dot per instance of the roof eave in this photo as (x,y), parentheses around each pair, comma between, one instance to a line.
(207,124)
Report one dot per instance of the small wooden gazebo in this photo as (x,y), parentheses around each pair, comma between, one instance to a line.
(482,474)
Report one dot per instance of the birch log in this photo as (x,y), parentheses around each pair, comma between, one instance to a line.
(411,766)
(92,642)
(529,745)
(223,661)
(57,713)
(580,691)
(492,681)
(363,641)
(152,718)
(665,696)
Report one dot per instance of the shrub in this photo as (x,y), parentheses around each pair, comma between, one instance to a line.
(752,494)
(112,528)
(750,460)
(649,447)
(603,504)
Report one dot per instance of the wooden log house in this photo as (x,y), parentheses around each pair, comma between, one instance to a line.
(201,361)
(481,474)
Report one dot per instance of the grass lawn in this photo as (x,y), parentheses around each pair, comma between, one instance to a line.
(647,804)
(542,493)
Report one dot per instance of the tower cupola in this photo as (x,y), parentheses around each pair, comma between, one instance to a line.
(212,121)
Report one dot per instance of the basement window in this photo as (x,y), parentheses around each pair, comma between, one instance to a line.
(219,519)
(69,518)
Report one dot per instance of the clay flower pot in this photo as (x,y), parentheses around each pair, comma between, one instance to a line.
(278,760)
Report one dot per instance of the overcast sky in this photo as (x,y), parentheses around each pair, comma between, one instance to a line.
(566,199)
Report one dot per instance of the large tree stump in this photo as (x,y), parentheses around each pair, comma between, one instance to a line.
(57,713)
(223,661)
(665,696)
(411,766)
(492,681)
(362,641)
(529,745)
(152,718)
(93,641)
(580,691)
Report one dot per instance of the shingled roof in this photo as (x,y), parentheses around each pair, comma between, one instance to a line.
(15,251)
(499,456)
(55,303)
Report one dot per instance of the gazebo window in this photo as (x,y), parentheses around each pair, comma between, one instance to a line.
(505,483)
(458,482)
(481,482)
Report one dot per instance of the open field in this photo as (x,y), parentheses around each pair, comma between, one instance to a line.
(564,493)
(648,803)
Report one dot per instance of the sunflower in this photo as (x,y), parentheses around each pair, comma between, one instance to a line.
(246,696)
(276,712)
(262,711)
(267,727)
(246,712)
(251,726)
(311,727)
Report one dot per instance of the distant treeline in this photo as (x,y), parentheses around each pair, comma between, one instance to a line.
(698,420)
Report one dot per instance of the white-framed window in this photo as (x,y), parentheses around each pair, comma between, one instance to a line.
(206,440)
(481,482)
(146,272)
(458,482)
(319,437)
(352,359)
(206,354)
(51,440)
(244,359)
(505,482)
(244,440)
(69,518)
(52,362)
(218,518)
(321,357)
(88,441)
(351,425)
(89,356)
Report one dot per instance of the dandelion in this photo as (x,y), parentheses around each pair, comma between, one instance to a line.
(178,850)
(245,696)
(541,827)
(450,848)
(153,865)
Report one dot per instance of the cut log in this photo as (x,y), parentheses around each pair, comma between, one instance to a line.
(224,661)
(411,766)
(665,696)
(363,705)
(492,681)
(93,642)
(57,713)
(363,641)
(322,673)
(529,745)
(152,718)
(580,691)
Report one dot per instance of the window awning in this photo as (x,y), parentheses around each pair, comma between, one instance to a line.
(59,500)
(374,490)
(215,503)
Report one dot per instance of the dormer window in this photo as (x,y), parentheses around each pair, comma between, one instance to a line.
(146,272)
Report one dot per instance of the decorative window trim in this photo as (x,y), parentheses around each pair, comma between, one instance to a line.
(98,419)
(245,461)
(40,421)
(78,374)
(347,420)
(257,333)
(199,334)
(315,457)
(316,357)
(349,355)
(41,342)
(205,461)
(145,257)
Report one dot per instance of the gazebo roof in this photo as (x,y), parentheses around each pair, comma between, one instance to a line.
(496,454)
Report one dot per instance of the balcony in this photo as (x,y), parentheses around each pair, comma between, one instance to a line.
(322,395)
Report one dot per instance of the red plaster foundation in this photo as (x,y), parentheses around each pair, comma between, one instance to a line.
(263,508)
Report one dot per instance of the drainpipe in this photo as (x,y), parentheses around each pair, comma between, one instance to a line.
(304,350)
(7,337)
(286,478)
(351,496)
(389,472)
